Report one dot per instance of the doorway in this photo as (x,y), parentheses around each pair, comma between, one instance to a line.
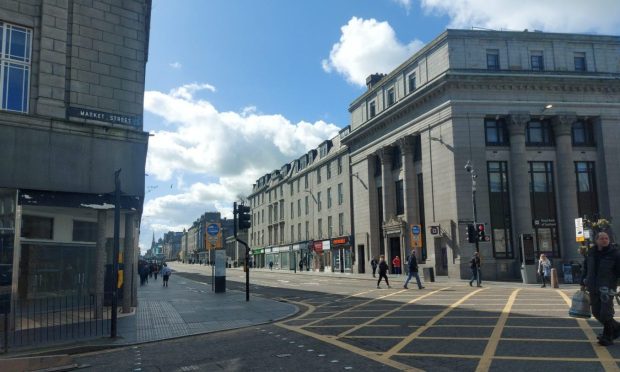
(394,249)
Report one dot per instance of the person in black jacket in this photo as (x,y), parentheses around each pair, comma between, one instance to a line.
(474,264)
(600,276)
(383,269)
(412,265)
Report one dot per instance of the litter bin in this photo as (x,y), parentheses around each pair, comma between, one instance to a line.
(429,274)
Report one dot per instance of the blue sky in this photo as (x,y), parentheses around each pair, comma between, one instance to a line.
(236,88)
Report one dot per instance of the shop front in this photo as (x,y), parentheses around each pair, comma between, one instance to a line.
(342,255)
(258,258)
(322,257)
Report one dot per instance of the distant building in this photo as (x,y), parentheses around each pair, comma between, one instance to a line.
(172,245)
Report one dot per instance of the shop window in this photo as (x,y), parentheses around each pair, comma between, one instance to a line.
(36,227)
(84,231)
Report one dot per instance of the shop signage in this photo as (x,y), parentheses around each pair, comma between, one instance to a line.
(318,246)
(257,251)
(109,117)
(343,240)
(296,247)
(544,222)
(579,233)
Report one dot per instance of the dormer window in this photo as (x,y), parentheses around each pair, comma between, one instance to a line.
(412,82)
(372,110)
(492,59)
(390,97)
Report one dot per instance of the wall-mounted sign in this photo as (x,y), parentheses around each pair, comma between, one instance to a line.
(416,236)
(343,240)
(544,222)
(108,117)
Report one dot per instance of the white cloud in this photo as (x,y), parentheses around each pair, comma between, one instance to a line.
(600,16)
(187,91)
(367,46)
(175,65)
(404,3)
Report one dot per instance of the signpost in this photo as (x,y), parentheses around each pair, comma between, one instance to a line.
(416,236)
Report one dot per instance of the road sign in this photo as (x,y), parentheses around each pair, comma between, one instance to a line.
(416,236)
(213,229)
(434,230)
(415,229)
(579,233)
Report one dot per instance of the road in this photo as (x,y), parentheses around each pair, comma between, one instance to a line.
(348,324)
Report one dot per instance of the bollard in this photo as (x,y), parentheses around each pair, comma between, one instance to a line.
(554,278)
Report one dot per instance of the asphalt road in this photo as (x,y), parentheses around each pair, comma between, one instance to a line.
(348,324)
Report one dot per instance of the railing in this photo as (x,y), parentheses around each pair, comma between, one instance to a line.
(52,319)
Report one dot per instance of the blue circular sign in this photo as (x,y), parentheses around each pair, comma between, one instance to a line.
(213,229)
(415,229)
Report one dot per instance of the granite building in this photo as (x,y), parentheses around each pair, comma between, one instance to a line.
(72,77)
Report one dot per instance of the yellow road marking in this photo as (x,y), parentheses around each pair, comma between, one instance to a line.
(489,350)
(520,358)
(602,353)
(368,323)
(396,348)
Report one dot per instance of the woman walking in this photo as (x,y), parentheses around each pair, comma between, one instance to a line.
(544,270)
(383,268)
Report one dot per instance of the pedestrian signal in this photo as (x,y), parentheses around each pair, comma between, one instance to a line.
(243,215)
(480,232)
(471,233)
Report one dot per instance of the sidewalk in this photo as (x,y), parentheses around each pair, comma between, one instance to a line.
(183,308)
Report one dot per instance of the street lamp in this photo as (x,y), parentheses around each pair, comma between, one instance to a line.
(470,169)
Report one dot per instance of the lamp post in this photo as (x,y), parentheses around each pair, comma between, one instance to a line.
(470,169)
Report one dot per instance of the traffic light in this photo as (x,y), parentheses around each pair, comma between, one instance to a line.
(243,215)
(480,231)
(471,233)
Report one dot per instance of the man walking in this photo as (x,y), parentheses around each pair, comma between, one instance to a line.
(383,269)
(165,273)
(475,270)
(412,265)
(374,264)
(600,275)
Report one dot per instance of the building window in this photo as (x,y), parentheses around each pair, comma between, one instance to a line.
(320,227)
(499,198)
(15,52)
(307,230)
(400,198)
(329,227)
(390,97)
(372,111)
(583,133)
(298,207)
(281,191)
(412,82)
(417,148)
(275,212)
(292,233)
(306,181)
(397,158)
(298,180)
(307,204)
(341,224)
(536,61)
(495,132)
(542,201)
(492,59)
(587,198)
(318,175)
(580,61)
(35,227)
(292,210)
(377,166)
(329,197)
(328,168)
(340,194)
(291,185)
(282,210)
(269,196)
(84,231)
(339,164)
(539,133)
(318,201)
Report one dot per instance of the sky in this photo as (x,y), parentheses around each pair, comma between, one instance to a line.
(238,88)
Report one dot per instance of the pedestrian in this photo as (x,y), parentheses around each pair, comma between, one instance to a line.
(150,270)
(301,265)
(601,270)
(544,269)
(396,265)
(142,273)
(374,264)
(474,264)
(412,265)
(270,265)
(165,273)
(155,271)
(383,269)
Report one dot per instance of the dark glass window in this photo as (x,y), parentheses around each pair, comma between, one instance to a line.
(542,201)
(397,158)
(339,164)
(377,165)
(539,133)
(580,62)
(424,252)
(373,110)
(417,148)
(536,60)
(400,198)
(492,59)
(318,175)
(84,231)
(587,197)
(412,83)
(499,198)
(583,133)
(15,67)
(390,97)
(496,133)
(35,227)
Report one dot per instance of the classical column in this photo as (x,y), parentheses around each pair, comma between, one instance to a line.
(129,272)
(374,226)
(410,180)
(519,177)
(387,183)
(100,261)
(567,187)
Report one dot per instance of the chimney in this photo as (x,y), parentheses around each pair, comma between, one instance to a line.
(373,79)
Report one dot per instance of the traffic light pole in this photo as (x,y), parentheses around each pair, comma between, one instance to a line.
(247,253)
(470,169)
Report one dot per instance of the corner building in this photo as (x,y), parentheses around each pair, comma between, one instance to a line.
(72,77)
(536,114)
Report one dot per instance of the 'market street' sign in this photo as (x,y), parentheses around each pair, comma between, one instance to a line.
(108,117)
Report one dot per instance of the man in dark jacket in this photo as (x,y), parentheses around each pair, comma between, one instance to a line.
(600,276)
(474,264)
(412,265)
(374,265)
(383,268)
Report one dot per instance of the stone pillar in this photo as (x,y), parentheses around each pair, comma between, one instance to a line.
(410,181)
(567,188)
(374,226)
(388,186)
(519,186)
(100,261)
(129,274)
